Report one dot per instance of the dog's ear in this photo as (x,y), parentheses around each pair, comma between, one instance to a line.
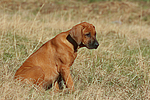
(76,33)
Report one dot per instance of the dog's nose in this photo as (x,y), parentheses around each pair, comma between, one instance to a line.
(96,44)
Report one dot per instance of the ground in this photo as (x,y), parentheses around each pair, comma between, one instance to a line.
(118,69)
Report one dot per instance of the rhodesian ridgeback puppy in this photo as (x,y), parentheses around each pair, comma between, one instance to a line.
(50,64)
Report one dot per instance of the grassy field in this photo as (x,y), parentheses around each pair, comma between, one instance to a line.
(118,70)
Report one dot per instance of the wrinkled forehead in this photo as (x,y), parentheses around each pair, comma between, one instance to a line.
(89,28)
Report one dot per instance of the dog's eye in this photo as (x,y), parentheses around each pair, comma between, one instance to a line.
(88,34)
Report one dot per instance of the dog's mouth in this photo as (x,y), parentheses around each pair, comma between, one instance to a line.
(90,45)
(82,45)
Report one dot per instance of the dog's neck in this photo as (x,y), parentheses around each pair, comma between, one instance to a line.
(73,42)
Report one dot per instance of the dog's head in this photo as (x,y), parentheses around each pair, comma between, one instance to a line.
(85,35)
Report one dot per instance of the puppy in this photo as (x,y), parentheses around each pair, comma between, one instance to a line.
(51,62)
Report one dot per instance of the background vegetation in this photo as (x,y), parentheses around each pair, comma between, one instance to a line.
(118,69)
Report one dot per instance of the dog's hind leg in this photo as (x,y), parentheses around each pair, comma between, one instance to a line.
(32,74)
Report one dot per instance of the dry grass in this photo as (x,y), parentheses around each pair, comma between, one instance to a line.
(118,69)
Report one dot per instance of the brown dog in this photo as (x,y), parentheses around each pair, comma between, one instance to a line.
(51,62)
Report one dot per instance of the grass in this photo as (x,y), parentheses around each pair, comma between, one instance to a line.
(118,69)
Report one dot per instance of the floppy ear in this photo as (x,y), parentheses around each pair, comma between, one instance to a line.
(76,33)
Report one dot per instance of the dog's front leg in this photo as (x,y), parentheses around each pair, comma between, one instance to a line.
(65,72)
